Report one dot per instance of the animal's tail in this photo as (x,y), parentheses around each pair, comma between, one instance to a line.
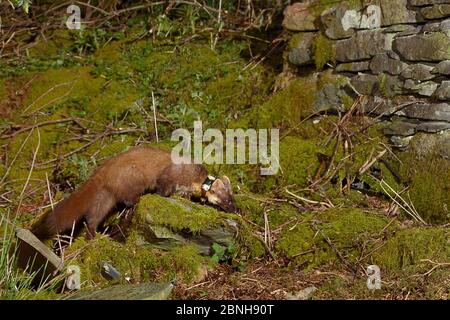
(44,228)
(65,215)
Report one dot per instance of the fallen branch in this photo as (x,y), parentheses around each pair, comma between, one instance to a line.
(328,205)
(24,128)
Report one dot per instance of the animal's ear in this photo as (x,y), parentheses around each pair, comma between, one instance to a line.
(227,183)
(218,184)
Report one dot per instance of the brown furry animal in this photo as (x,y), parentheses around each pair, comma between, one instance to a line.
(123,179)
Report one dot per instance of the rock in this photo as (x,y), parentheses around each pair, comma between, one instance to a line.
(390,86)
(363,45)
(365,84)
(436,11)
(433,127)
(36,258)
(303,294)
(353,66)
(443,68)
(329,98)
(434,46)
(393,55)
(438,111)
(302,51)
(426,88)
(418,72)
(440,26)
(298,17)
(145,291)
(400,128)
(401,142)
(384,85)
(379,106)
(425,144)
(109,272)
(409,31)
(338,24)
(383,63)
(73,280)
(443,91)
(422,3)
(403,28)
(169,222)
(394,12)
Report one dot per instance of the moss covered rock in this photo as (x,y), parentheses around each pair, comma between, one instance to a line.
(170,222)
(319,239)
(426,169)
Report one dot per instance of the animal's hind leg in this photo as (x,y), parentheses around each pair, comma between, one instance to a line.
(102,206)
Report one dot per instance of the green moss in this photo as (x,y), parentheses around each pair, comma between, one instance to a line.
(53,45)
(298,160)
(178,215)
(135,263)
(427,173)
(288,106)
(325,51)
(348,230)
(405,252)
(253,206)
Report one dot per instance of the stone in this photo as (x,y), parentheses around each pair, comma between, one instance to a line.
(298,17)
(302,51)
(393,55)
(443,68)
(365,84)
(439,26)
(394,12)
(418,72)
(438,144)
(378,106)
(409,32)
(73,279)
(153,228)
(426,88)
(434,46)
(36,258)
(405,28)
(400,128)
(363,45)
(422,3)
(424,111)
(144,291)
(433,127)
(353,66)
(443,91)
(382,63)
(390,86)
(373,14)
(330,97)
(401,142)
(436,11)
(335,23)
(303,294)
(109,272)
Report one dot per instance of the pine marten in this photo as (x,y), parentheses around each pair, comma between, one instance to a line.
(123,179)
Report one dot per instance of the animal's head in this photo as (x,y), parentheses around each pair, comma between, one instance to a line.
(218,191)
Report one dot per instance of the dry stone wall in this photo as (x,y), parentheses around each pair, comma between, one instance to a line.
(391,50)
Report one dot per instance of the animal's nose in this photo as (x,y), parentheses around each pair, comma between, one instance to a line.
(232,207)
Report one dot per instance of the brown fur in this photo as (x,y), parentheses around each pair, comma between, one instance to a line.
(122,180)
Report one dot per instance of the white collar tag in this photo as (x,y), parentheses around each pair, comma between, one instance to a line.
(206,185)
